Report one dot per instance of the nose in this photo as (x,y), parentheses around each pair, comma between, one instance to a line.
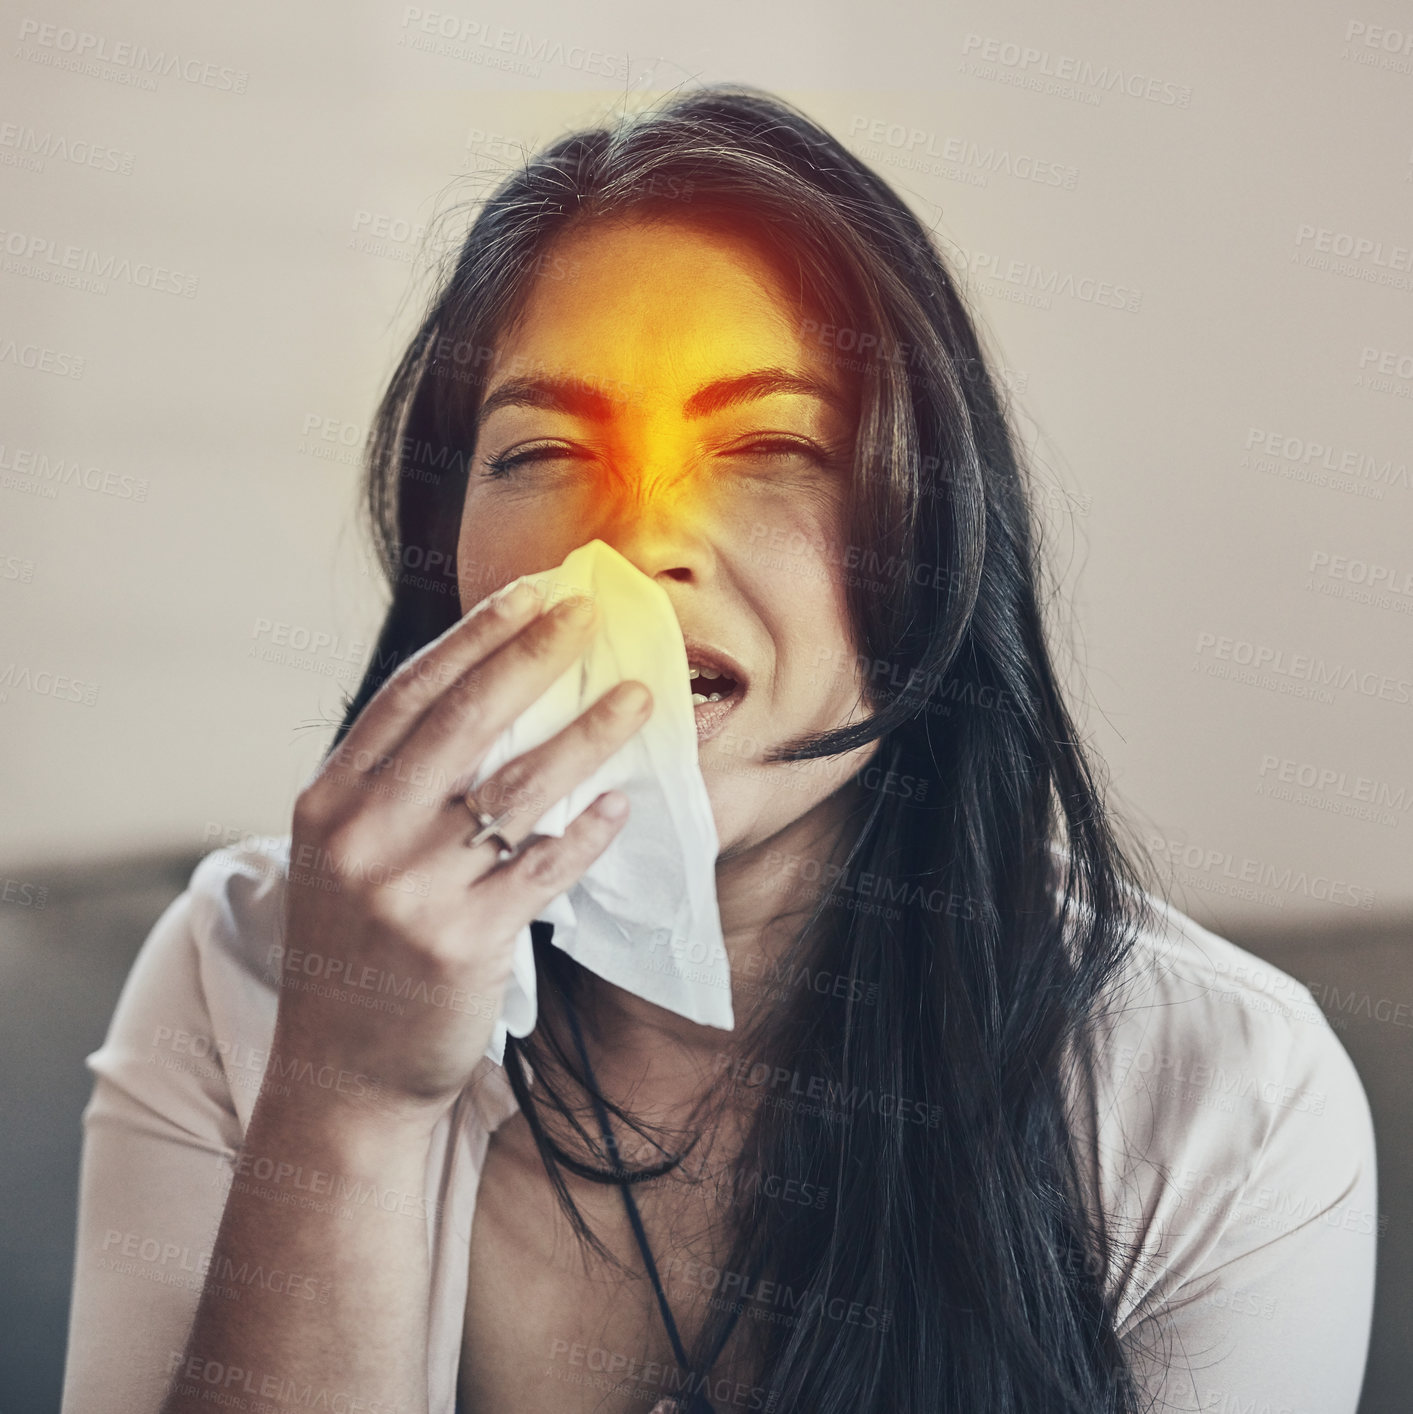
(661,534)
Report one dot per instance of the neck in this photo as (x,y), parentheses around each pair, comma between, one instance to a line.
(653,1059)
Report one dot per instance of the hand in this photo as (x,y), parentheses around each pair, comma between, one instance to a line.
(387,908)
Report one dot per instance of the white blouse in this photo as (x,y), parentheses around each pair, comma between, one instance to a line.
(1228,1132)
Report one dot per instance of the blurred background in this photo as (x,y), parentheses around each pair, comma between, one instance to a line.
(1186,234)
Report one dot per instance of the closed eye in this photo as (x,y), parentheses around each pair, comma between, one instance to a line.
(505,464)
(778,447)
(783,461)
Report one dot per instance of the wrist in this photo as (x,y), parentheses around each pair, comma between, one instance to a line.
(307,1083)
(361,1127)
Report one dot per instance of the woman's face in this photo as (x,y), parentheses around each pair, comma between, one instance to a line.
(657,394)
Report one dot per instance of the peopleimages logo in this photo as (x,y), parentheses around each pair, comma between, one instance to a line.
(1356,247)
(1027,282)
(1354,789)
(40,470)
(1261,874)
(42,359)
(1353,255)
(1267,665)
(453,36)
(43,683)
(1377,46)
(80,51)
(912,146)
(1024,66)
(43,257)
(1276,452)
(24,146)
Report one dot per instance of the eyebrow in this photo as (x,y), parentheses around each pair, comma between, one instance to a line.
(582,399)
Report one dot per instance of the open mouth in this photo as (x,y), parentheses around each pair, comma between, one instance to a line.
(717,687)
(710,685)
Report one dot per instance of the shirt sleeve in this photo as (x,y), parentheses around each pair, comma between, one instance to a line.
(160,1135)
(1270,1308)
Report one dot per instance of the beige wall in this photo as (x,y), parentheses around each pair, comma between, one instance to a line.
(1190,167)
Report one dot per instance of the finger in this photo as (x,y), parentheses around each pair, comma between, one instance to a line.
(457,729)
(521,888)
(520,792)
(396,707)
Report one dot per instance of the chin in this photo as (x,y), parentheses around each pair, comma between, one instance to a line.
(729,810)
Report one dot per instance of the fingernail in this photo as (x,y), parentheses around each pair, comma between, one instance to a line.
(612,806)
(515,599)
(631,697)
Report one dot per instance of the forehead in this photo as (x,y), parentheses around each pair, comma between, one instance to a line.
(654,308)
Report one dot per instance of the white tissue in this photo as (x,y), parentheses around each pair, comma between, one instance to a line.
(644,915)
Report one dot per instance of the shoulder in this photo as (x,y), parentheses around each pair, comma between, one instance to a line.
(237,896)
(189,1038)
(1194,1011)
(1225,1112)
(238,932)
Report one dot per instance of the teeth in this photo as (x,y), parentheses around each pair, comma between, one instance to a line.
(698,699)
(704,673)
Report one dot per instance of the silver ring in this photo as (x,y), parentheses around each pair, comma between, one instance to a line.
(488,827)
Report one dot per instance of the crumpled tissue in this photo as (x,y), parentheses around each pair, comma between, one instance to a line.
(644,915)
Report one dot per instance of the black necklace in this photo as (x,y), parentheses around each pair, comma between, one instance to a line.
(695,1402)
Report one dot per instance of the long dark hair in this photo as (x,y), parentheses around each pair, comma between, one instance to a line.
(953,1256)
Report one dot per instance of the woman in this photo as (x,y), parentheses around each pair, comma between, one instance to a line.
(996,1129)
